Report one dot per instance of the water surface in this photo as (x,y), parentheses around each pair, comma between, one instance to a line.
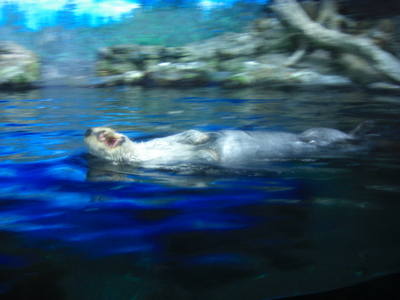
(75,227)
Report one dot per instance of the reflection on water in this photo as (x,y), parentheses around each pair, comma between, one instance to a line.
(76,227)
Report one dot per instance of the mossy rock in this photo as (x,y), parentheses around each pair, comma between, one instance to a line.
(19,67)
(107,68)
(238,80)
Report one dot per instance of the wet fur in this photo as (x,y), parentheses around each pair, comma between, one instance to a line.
(226,147)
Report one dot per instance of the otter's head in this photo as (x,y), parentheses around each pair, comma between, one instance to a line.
(106,143)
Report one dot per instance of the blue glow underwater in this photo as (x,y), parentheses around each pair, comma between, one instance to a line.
(74,226)
(43,13)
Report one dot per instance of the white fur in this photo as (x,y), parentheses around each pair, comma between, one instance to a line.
(227,147)
(177,148)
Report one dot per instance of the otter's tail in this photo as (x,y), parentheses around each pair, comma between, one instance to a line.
(361,130)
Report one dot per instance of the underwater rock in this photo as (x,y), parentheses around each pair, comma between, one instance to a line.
(130,78)
(263,56)
(183,74)
(19,67)
(272,75)
(197,64)
(234,60)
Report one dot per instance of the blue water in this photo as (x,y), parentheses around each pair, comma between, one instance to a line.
(76,227)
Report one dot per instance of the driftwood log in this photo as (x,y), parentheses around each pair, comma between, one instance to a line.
(293,16)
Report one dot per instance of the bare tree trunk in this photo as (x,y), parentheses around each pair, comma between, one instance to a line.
(295,17)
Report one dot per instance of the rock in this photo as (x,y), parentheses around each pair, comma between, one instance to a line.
(236,65)
(133,77)
(311,78)
(106,81)
(19,67)
(120,59)
(107,68)
(195,64)
(272,75)
(182,74)
(257,57)
(130,78)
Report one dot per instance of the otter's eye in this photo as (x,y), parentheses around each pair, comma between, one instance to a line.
(88,132)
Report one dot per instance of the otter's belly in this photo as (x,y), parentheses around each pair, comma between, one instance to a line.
(167,153)
(242,145)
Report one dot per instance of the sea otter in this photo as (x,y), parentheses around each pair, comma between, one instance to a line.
(226,147)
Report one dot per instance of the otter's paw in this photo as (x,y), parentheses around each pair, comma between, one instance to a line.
(209,155)
(194,137)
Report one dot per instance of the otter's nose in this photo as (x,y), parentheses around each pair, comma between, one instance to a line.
(88,132)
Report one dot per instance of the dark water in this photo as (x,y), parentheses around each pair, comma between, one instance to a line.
(75,227)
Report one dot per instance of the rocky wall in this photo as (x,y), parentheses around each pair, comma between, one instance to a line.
(19,67)
(258,57)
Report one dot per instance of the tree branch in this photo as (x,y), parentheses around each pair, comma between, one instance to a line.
(295,17)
